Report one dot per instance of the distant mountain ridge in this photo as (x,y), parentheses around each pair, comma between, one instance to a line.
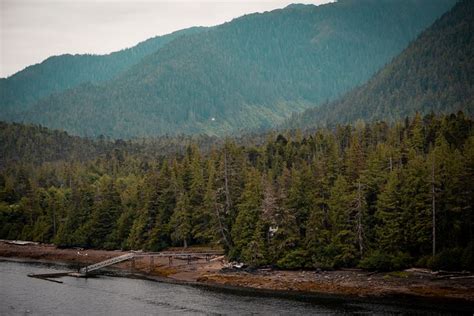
(59,73)
(434,74)
(252,72)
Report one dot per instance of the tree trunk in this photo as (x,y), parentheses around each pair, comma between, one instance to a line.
(433,202)
(226,183)
(54,222)
(221,228)
(359,219)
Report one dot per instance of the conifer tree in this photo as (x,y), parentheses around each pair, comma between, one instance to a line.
(344,237)
(417,204)
(391,221)
(205,222)
(167,190)
(181,221)
(249,212)
(106,210)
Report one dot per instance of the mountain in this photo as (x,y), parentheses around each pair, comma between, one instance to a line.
(251,72)
(434,74)
(59,73)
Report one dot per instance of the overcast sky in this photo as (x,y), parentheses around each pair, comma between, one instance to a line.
(33,30)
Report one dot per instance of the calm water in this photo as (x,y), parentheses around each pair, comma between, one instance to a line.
(106,295)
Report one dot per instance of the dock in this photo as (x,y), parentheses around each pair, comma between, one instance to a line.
(49,276)
(106,263)
(178,255)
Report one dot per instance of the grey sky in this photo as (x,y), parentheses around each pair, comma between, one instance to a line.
(33,30)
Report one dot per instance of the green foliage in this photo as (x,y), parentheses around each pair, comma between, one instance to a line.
(105,213)
(295,259)
(382,261)
(390,231)
(247,218)
(180,221)
(12,220)
(255,252)
(467,259)
(448,259)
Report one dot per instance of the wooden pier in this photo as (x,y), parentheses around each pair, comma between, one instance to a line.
(49,276)
(131,256)
(106,263)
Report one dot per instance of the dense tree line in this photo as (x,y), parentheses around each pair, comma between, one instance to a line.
(365,195)
(248,73)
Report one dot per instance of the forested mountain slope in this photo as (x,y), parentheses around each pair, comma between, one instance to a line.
(59,73)
(39,145)
(251,72)
(435,73)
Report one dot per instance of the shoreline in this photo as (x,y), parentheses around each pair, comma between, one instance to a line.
(418,302)
(402,287)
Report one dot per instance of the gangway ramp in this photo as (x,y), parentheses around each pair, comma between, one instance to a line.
(106,263)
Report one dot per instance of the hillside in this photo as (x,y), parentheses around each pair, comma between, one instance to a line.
(59,73)
(434,74)
(38,145)
(251,72)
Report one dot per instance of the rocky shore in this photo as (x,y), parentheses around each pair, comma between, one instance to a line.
(415,283)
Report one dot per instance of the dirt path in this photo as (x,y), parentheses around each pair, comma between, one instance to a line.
(354,282)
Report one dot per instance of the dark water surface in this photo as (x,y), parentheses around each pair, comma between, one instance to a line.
(107,295)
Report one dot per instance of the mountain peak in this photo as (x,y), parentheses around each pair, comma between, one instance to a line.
(299,6)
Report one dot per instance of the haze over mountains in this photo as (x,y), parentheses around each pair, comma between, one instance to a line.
(252,72)
(434,74)
(59,73)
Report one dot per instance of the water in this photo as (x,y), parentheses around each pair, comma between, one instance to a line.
(107,295)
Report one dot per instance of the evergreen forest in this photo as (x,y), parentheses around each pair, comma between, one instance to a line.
(379,196)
